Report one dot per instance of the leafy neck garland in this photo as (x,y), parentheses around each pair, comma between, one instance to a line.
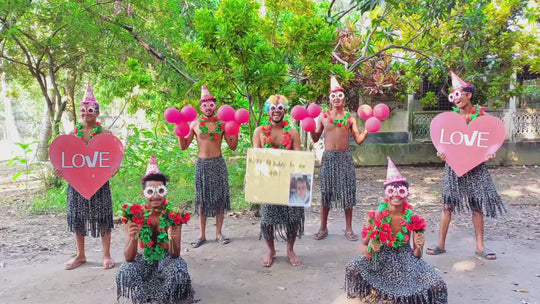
(154,251)
(342,122)
(97,129)
(379,225)
(204,129)
(476,112)
(286,137)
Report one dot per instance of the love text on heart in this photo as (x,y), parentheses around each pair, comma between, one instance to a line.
(459,138)
(99,159)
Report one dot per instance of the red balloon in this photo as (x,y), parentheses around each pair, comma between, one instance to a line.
(226,113)
(189,113)
(373,125)
(181,129)
(241,116)
(232,128)
(313,110)
(308,124)
(172,115)
(381,111)
(299,113)
(365,111)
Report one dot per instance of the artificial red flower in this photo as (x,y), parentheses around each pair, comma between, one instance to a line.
(171,215)
(125,206)
(142,244)
(150,244)
(148,221)
(371,214)
(124,219)
(186,217)
(386,227)
(339,125)
(135,209)
(165,245)
(178,219)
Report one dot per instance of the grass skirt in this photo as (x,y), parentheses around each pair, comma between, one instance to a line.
(475,190)
(94,215)
(338,179)
(164,281)
(282,222)
(211,187)
(396,277)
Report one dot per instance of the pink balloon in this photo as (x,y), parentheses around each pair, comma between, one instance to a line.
(365,111)
(381,111)
(232,128)
(241,116)
(299,113)
(172,115)
(181,129)
(189,113)
(373,125)
(308,124)
(313,110)
(226,113)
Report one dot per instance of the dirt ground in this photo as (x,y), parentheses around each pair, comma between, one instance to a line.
(33,249)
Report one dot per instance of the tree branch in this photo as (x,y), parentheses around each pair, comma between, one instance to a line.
(361,60)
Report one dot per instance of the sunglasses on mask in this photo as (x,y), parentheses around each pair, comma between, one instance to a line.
(279,107)
(455,95)
(339,95)
(159,190)
(400,191)
(89,110)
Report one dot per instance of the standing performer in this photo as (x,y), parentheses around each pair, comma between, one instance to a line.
(475,189)
(279,221)
(94,215)
(338,178)
(390,270)
(154,273)
(211,175)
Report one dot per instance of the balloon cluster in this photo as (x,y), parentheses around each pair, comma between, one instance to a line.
(373,116)
(306,116)
(232,119)
(180,119)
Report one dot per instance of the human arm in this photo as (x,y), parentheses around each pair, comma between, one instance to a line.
(132,231)
(295,140)
(375,245)
(184,142)
(442,156)
(358,136)
(232,141)
(175,238)
(490,156)
(257,143)
(316,134)
(418,243)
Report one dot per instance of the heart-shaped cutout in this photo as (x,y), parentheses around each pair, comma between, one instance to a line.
(466,146)
(86,168)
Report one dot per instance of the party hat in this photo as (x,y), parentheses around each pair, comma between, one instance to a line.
(334,85)
(205,94)
(458,83)
(392,173)
(89,96)
(152,166)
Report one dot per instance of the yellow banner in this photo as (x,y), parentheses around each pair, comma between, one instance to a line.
(279,177)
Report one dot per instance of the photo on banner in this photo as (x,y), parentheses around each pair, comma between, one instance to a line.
(300,190)
(272,177)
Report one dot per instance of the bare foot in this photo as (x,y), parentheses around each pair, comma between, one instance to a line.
(74,263)
(268,259)
(108,263)
(294,259)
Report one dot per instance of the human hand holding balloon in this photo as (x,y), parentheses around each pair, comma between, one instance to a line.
(306,116)
(373,116)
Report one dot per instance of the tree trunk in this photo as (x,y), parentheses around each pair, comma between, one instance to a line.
(45,133)
(12,133)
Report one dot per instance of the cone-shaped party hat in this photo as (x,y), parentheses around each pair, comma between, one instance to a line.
(334,85)
(89,97)
(152,166)
(458,83)
(205,94)
(392,173)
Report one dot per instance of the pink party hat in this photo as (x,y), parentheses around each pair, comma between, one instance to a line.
(392,173)
(334,85)
(89,96)
(152,166)
(205,94)
(458,83)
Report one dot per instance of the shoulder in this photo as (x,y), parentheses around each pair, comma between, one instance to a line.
(106,131)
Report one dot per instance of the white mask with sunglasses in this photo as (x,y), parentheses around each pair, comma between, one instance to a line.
(337,95)
(149,191)
(400,191)
(279,107)
(89,110)
(455,94)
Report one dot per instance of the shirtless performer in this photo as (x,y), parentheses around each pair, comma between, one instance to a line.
(338,178)
(211,175)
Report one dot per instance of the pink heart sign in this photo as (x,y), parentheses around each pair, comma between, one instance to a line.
(466,146)
(86,168)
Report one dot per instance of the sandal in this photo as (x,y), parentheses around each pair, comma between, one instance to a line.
(197,243)
(351,236)
(320,235)
(434,250)
(486,254)
(223,240)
